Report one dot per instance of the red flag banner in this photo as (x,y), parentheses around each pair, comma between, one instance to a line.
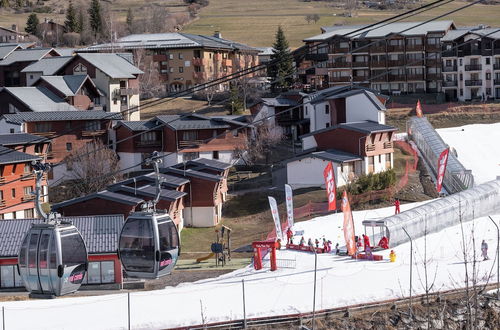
(443,160)
(331,187)
(348,225)
(418,109)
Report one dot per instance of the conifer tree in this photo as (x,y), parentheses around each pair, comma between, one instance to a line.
(4,3)
(130,21)
(32,24)
(95,17)
(71,23)
(282,71)
(80,23)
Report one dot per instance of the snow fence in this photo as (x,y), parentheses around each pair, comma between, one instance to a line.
(480,201)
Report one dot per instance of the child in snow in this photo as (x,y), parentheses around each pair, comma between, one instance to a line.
(484,250)
(397,204)
(392,256)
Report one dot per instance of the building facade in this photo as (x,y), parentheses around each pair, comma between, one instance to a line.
(180,61)
(471,64)
(397,58)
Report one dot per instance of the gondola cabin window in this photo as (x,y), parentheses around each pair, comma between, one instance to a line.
(9,277)
(137,246)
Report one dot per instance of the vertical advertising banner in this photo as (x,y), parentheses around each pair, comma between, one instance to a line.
(348,225)
(418,109)
(276,217)
(331,187)
(443,160)
(289,205)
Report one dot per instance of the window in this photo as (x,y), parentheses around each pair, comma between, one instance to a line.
(171,70)
(31,76)
(181,56)
(488,91)
(29,213)
(68,125)
(13,192)
(215,154)
(171,56)
(327,109)
(488,75)
(1,194)
(460,61)
(189,135)
(380,158)
(43,127)
(327,125)
(27,169)
(69,146)
(164,63)
(190,156)
(181,69)
(93,125)
(11,130)
(461,77)
(28,190)
(461,92)
(488,60)
(94,273)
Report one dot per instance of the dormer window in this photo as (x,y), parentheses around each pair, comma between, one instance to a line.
(80,68)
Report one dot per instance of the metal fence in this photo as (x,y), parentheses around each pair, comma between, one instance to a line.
(430,144)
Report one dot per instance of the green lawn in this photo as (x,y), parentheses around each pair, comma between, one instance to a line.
(255,22)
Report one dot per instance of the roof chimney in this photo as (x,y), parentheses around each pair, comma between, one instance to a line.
(217,34)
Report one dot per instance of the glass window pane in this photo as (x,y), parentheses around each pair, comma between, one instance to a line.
(6,276)
(53,255)
(94,273)
(32,254)
(44,249)
(137,247)
(108,271)
(18,281)
(73,249)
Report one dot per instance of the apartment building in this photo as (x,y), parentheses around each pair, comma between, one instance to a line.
(397,58)
(471,64)
(180,61)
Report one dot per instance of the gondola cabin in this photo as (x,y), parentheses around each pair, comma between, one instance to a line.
(52,259)
(149,245)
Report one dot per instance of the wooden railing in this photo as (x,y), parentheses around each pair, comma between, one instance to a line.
(188,143)
(27,176)
(370,147)
(388,145)
(27,198)
(94,133)
(2,202)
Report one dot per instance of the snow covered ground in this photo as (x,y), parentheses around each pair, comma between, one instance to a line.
(477,148)
(341,281)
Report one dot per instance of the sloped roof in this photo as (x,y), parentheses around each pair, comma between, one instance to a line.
(168,180)
(368,127)
(100,233)
(22,117)
(170,40)
(136,126)
(19,139)
(105,194)
(210,163)
(68,85)
(194,121)
(39,99)
(6,50)
(342,91)
(191,173)
(333,155)
(25,55)
(48,66)
(9,156)
(113,65)
(409,28)
(279,101)
(150,191)
(492,33)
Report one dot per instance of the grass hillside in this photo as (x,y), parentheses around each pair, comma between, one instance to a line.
(255,22)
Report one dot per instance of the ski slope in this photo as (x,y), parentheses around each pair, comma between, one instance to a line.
(341,281)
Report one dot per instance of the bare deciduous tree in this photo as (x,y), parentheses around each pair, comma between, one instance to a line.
(150,84)
(265,139)
(93,168)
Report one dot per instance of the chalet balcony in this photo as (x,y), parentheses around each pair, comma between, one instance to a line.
(496,51)
(199,75)
(378,64)
(45,134)
(496,66)
(473,83)
(339,65)
(26,198)
(397,77)
(433,62)
(153,143)
(227,62)
(2,179)
(450,83)
(473,67)
(433,47)
(317,57)
(434,76)
(124,107)
(415,77)
(370,147)
(388,145)
(2,202)
(197,61)
(377,49)
(27,176)
(90,133)
(190,143)
(129,91)
(379,77)
(396,63)
(50,155)
(469,52)
(359,64)
(340,79)
(452,68)
(396,48)
(496,82)
(359,78)
(449,53)
(414,48)
(410,62)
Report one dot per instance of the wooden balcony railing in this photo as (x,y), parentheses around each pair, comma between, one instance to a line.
(197,61)
(339,65)
(388,145)
(2,179)
(395,48)
(452,68)
(185,143)
(413,48)
(450,83)
(378,64)
(2,202)
(473,83)
(473,67)
(27,176)
(156,143)
(94,133)
(370,147)
(45,134)
(359,64)
(27,198)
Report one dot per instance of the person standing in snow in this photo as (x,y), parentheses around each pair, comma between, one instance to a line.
(366,241)
(302,241)
(484,250)
(289,235)
(397,204)
(316,241)
(310,244)
(337,250)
